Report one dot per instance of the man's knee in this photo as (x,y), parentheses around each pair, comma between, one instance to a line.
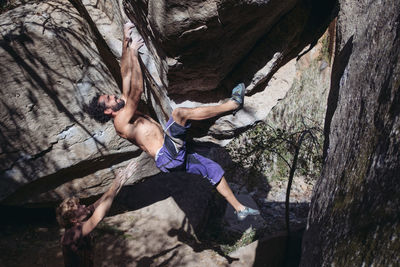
(180,115)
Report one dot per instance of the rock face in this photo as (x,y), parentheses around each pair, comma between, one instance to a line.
(55,55)
(51,64)
(354,217)
(206,45)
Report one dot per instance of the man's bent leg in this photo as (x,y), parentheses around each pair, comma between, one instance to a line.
(224,189)
(215,174)
(181,115)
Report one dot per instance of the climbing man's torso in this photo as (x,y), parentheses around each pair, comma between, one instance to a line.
(143,131)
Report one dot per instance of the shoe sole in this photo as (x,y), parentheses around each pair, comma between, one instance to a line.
(241,96)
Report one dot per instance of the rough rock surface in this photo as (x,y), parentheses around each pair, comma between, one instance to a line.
(50,67)
(248,224)
(55,55)
(207,44)
(145,229)
(201,49)
(354,217)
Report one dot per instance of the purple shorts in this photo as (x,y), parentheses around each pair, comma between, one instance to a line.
(172,155)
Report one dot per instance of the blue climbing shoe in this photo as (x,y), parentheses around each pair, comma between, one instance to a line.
(238,96)
(241,215)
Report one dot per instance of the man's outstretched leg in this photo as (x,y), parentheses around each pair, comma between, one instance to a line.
(182,115)
(241,211)
(224,189)
(212,171)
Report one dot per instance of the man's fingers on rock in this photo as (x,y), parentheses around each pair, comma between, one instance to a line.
(129,25)
(137,39)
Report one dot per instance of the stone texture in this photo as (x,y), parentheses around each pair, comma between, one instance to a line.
(250,223)
(55,55)
(205,41)
(158,226)
(50,67)
(255,109)
(141,229)
(106,19)
(264,252)
(257,106)
(354,217)
(203,48)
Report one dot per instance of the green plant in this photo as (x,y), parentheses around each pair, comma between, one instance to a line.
(268,148)
(247,237)
(324,53)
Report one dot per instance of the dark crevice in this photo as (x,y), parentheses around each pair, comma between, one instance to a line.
(80,170)
(338,68)
(31,158)
(104,51)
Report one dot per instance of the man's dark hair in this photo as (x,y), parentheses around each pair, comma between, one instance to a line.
(95,109)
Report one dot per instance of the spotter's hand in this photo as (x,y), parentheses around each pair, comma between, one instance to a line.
(123,175)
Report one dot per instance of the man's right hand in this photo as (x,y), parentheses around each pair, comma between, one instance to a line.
(136,43)
(128,27)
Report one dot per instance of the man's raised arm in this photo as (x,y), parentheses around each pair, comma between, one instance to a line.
(126,61)
(104,203)
(132,77)
(136,82)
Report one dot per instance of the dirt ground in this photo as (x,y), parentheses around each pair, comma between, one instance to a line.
(31,238)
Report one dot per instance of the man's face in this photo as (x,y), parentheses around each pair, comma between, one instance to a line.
(112,102)
(81,213)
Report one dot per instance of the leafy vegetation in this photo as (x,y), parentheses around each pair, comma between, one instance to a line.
(246,238)
(324,53)
(268,149)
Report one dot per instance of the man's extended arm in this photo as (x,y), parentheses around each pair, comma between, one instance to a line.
(136,79)
(104,203)
(132,81)
(126,61)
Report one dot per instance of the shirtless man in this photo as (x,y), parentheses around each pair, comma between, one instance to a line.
(167,147)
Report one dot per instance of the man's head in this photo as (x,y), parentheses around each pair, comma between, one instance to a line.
(103,107)
(70,212)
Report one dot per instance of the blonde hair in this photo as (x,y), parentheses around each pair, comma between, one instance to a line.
(66,211)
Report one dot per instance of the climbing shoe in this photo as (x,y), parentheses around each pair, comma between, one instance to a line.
(238,96)
(241,215)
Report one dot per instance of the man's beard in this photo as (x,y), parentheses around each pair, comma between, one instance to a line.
(120,104)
